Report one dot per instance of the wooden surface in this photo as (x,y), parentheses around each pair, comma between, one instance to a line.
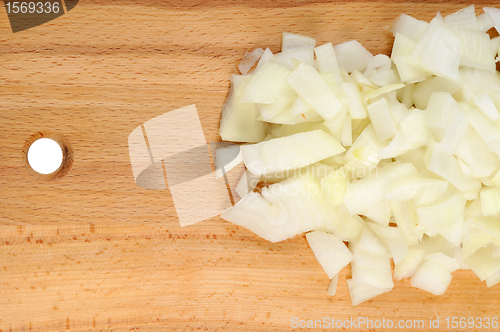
(92,251)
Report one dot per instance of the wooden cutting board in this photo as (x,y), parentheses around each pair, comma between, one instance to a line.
(91,251)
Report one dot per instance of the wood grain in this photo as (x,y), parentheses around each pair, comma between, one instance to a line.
(92,251)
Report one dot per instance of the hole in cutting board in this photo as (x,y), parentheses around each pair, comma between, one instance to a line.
(47,155)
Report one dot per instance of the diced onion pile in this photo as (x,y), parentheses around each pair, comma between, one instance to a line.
(397,156)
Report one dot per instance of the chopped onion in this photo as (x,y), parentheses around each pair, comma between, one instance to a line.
(409,27)
(249,60)
(293,41)
(438,50)
(330,251)
(409,264)
(321,98)
(360,293)
(352,56)
(267,85)
(398,156)
(332,286)
(464,17)
(291,152)
(382,119)
(431,277)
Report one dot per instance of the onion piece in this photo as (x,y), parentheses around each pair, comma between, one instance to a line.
(409,264)
(440,111)
(449,263)
(379,212)
(455,131)
(431,277)
(406,218)
(327,61)
(463,17)
(360,293)
(483,264)
(299,107)
(473,241)
(293,41)
(493,279)
(490,200)
(372,269)
(290,152)
(382,119)
(407,188)
(408,72)
(356,107)
(367,191)
(270,111)
(283,210)
(409,27)
(268,85)
(448,211)
(287,58)
(423,90)
(475,49)
(494,13)
(488,131)
(266,56)
(249,60)
(321,98)
(351,226)
(475,154)
(239,120)
(383,90)
(393,238)
(363,153)
(484,22)
(332,286)
(489,225)
(454,232)
(484,102)
(334,186)
(447,166)
(371,261)
(396,147)
(330,251)
(351,55)
(438,51)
